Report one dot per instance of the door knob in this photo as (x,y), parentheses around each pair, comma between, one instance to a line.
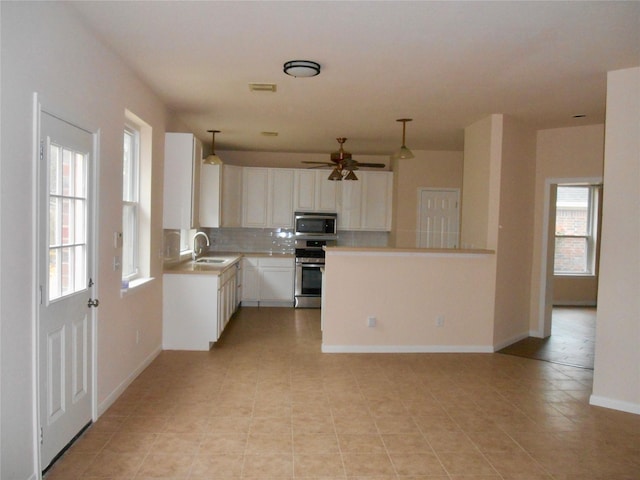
(93,303)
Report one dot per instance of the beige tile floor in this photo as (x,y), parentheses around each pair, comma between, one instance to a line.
(266,404)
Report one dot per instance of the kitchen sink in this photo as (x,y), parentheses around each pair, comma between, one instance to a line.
(211,260)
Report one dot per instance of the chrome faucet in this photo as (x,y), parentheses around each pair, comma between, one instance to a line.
(194,254)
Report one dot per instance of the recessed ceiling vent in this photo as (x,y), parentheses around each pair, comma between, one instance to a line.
(263,87)
(269,134)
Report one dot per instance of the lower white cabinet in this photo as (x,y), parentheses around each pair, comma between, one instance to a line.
(267,281)
(196,308)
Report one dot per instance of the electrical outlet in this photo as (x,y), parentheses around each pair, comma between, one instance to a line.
(440,321)
(371,322)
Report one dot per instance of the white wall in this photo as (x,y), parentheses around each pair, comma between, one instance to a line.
(428,169)
(515,232)
(617,359)
(481,183)
(45,49)
(406,292)
(561,153)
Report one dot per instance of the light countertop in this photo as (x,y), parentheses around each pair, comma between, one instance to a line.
(231,258)
(392,250)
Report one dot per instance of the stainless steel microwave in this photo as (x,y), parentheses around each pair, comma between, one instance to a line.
(314,224)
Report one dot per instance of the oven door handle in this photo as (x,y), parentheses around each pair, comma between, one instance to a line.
(312,265)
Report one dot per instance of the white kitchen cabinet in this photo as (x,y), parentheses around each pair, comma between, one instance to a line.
(182,162)
(231,196)
(377,195)
(227,304)
(350,204)
(220,196)
(189,306)
(313,191)
(267,197)
(196,308)
(366,204)
(255,192)
(250,281)
(267,281)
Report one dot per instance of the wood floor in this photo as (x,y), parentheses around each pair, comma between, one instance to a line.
(572,340)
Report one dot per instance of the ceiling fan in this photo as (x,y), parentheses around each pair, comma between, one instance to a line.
(341,161)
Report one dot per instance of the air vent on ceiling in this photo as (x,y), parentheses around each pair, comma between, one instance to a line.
(269,134)
(262,87)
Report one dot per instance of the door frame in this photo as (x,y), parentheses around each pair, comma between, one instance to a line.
(547,252)
(419,208)
(37,109)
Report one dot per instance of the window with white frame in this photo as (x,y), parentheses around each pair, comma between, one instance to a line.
(136,200)
(130,203)
(576,229)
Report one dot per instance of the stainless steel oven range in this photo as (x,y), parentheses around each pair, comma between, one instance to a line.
(308,277)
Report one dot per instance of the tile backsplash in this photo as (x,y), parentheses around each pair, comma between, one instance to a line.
(265,240)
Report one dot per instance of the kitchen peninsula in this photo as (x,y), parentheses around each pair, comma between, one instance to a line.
(408,300)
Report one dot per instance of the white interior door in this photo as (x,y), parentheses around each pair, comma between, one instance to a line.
(438,218)
(65,258)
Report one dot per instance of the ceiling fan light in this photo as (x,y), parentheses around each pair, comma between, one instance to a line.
(335,175)
(301,68)
(351,176)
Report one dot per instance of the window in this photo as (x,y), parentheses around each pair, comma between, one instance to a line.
(136,201)
(130,203)
(576,229)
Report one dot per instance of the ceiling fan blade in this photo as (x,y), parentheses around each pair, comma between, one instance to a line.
(317,163)
(372,165)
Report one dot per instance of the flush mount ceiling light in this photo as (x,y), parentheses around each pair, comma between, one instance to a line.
(301,68)
(403,152)
(213,159)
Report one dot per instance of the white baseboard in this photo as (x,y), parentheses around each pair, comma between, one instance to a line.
(613,404)
(407,349)
(510,341)
(113,396)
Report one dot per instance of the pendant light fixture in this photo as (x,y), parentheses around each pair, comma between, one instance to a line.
(403,152)
(213,159)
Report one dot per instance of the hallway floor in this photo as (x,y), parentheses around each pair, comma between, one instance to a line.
(572,340)
(265,404)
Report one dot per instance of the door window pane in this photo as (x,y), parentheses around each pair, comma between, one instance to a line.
(67,221)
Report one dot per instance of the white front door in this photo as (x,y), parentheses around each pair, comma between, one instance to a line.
(438,218)
(65,256)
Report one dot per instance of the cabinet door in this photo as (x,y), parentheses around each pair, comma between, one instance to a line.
(276,284)
(182,152)
(231,196)
(377,190)
(210,195)
(250,280)
(325,192)
(255,188)
(304,191)
(350,207)
(281,198)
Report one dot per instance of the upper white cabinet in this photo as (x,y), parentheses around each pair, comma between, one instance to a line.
(366,204)
(377,200)
(267,197)
(220,196)
(182,161)
(231,196)
(313,191)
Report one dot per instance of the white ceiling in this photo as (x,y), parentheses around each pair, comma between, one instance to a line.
(444,64)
